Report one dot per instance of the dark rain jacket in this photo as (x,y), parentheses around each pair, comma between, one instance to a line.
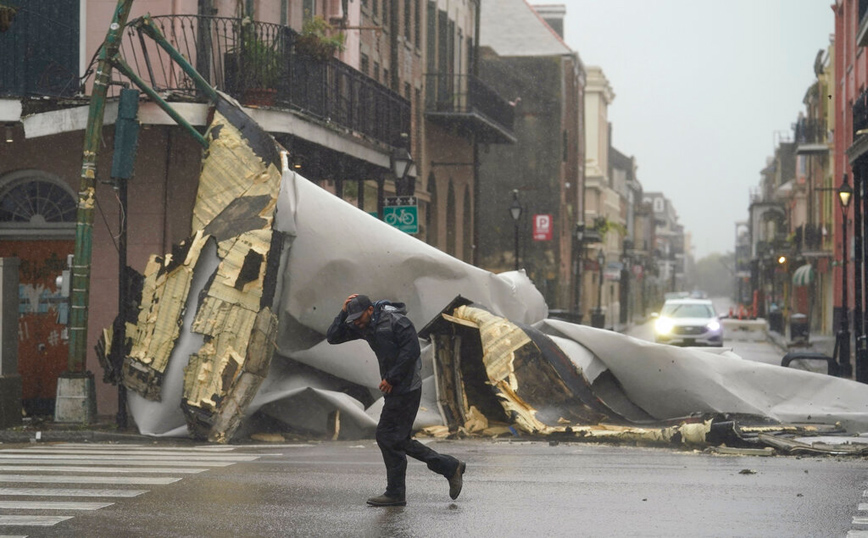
(394,341)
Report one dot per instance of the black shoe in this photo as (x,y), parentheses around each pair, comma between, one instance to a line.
(385,500)
(457,481)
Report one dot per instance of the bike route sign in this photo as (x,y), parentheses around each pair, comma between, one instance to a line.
(402,213)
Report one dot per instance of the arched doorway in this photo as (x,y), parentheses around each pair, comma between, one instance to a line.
(37,226)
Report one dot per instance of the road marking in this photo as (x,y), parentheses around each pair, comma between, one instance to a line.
(860,520)
(857,534)
(72,492)
(863,506)
(72,479)
(88,469)
(73,455)
(132,448)
(118,461)
(52,505)
(38,521)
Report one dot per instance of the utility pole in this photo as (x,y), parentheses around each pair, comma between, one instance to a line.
(76,384)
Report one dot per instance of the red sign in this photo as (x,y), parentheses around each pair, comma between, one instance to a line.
(542,227)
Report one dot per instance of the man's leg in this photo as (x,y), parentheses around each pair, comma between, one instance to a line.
(442,464)
(396,423)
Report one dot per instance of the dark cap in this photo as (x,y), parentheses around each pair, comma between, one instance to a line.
(356,307)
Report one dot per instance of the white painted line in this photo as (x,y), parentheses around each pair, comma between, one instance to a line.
(72,492)
(857,534)
(863,506)
(86,469)
(52,505)
(124,453)
(860,520)
(127,457)
(118,461)
(31,521)
(13,536)
(133,448)
(67,479)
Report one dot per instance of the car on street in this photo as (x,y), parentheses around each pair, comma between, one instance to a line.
(688,322)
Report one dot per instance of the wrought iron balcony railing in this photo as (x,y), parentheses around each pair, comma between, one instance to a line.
(467,99)
(810,131)
(264,64)
(860,114)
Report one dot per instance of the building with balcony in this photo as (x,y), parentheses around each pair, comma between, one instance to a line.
(524,59)
(669,247)
(851,159)
(343,113)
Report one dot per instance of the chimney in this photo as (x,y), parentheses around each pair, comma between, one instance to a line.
(554,15)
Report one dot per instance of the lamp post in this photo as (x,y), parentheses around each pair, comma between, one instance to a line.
(404,171)
(598,319)
(843,345)
(625,280)
(580,236)
(515,211)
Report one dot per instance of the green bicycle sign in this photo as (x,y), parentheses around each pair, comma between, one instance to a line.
(402,217)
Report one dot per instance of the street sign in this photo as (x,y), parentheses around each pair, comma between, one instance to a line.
(542,227)
(402,213)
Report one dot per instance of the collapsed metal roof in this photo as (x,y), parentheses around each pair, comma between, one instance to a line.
(232,330)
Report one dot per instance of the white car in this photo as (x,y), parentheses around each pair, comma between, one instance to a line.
(688,322)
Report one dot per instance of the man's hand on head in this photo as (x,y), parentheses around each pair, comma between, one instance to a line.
(350,298)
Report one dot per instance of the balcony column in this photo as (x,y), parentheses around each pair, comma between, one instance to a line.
(858,197)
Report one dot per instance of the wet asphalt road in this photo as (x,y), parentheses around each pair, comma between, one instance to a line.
(512,488)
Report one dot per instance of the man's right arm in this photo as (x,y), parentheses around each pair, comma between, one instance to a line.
(339,331)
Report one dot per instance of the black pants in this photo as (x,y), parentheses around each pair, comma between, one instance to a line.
(393,438)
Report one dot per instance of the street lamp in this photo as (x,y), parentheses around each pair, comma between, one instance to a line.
(515,211)
(597,318)
(625,280)
(580,237)
(843,345)
(404,170)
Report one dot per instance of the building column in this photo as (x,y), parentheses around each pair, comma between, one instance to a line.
(10,379)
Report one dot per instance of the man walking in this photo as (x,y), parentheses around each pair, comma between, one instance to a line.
(392,337)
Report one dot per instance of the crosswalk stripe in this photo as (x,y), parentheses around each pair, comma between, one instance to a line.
(863,506)
(67,479)
(127,453)
(87,469)
(860,520)
(71,492)
(857,534)
(52,505)
(39,521)
(143,457)
(13,536)
(119,461)
(133,447)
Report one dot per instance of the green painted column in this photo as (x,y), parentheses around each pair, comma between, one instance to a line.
(81,268)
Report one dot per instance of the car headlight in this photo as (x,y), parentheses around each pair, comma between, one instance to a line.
(713,325)
(663,325)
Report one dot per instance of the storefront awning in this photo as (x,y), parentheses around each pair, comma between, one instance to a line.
(804,275)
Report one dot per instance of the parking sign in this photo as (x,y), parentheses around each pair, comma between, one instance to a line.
(542,227)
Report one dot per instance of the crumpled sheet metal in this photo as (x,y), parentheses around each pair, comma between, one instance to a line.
(665,388)
(669,382)
(253,214)
(338,250)
(231,314)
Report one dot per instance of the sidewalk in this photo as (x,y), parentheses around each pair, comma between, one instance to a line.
(104,430)
(824,344)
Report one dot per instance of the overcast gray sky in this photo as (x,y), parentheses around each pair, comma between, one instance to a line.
(703,90)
